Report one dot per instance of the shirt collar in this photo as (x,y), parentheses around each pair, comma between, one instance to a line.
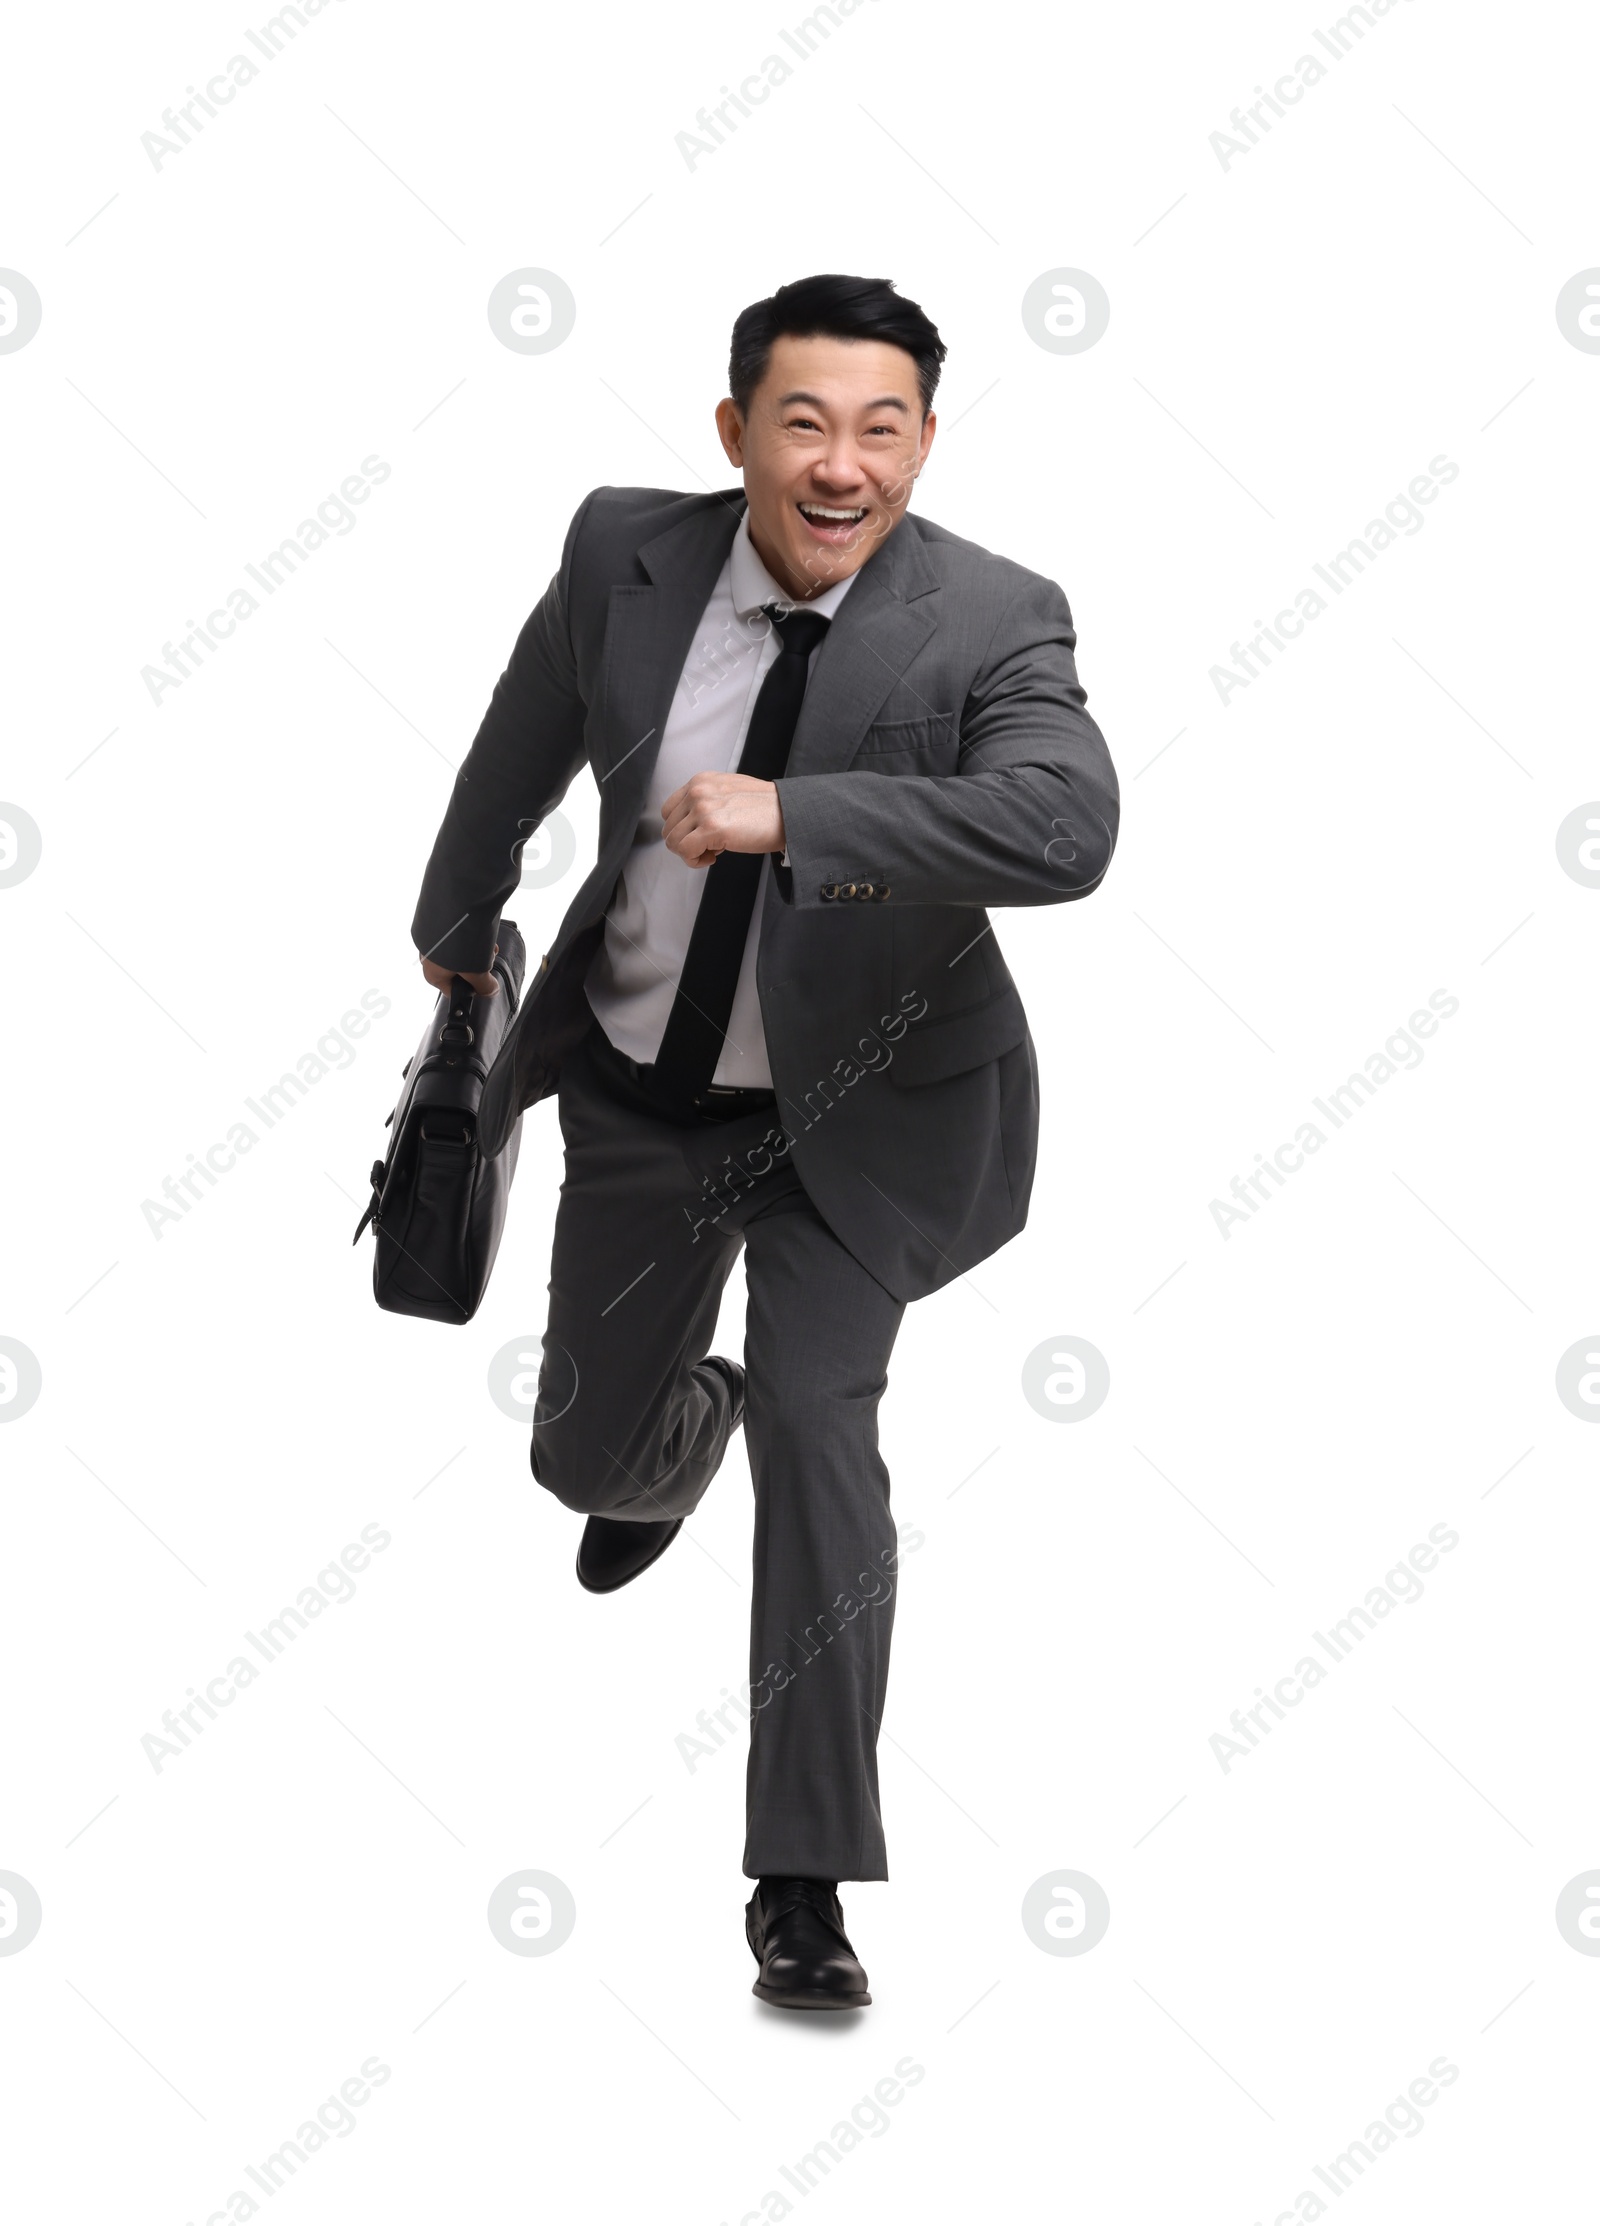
(752,584)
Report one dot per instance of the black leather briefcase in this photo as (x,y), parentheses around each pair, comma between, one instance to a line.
(438,1205)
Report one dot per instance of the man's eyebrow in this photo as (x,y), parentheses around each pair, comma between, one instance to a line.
(883,402)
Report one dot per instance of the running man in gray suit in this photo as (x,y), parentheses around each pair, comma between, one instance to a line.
(826,736)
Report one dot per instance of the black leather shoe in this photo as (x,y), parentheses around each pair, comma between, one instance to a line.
(612,1554)
(795,1928)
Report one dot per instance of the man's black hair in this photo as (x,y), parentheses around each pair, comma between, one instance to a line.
(844,309)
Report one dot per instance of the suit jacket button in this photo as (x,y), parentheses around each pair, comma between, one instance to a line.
(847,888)
(882,890)
(864,889)
(828,891)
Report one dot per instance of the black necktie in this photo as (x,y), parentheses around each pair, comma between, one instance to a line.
(698,1023)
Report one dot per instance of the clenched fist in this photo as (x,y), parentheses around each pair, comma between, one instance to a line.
(441,977)
(713,812)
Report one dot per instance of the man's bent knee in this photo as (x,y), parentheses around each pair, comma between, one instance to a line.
(578,1474)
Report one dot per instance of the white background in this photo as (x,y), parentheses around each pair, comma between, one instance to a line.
(1292,339)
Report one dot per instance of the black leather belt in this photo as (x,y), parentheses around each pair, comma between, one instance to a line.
(718,1102)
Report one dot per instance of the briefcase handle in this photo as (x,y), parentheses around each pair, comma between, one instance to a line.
(457,1028)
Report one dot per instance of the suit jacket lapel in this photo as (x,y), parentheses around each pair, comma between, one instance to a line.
(650,631)
(881,625)
(879,628)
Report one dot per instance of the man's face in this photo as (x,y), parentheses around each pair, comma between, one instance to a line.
(830,448)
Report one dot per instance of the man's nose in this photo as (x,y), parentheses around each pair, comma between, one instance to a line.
(840,468)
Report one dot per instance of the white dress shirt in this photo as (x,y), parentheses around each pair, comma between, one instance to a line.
(633,977)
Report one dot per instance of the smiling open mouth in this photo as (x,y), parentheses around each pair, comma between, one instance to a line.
(832,522)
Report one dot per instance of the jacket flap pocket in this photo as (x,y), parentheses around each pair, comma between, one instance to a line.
(932,1049)
(928,737)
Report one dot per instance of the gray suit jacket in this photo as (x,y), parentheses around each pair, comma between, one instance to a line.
(943,761)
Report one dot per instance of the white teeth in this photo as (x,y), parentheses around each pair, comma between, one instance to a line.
(816,510)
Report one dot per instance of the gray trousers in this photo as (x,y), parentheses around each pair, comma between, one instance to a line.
(631,1424)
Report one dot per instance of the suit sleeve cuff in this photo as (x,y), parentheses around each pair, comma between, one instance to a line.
(822,869)
(466,948)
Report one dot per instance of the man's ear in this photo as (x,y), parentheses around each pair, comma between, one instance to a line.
(730,431)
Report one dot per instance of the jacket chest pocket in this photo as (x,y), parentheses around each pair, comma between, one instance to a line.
(926,745)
